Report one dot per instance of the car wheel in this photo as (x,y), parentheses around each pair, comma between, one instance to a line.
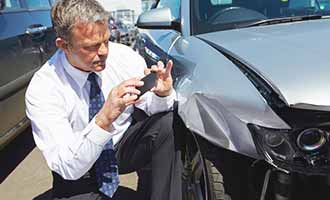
(215,182)
(200,179)
(232,175)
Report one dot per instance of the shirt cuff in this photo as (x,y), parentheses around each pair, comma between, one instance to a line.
(168,100)
(98,135)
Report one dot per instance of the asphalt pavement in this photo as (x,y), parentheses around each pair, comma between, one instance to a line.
(24,174)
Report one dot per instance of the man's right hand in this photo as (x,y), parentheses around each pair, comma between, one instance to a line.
(119,98)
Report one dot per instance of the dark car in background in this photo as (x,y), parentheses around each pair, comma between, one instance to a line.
(121,25)
(114,32)
(126,33)
(121,32)
(26,42)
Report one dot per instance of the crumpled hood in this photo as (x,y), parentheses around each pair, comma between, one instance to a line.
(293,57)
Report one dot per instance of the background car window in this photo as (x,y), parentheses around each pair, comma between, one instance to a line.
(302,3)
(221,2)
(174,5)
(11,5)
(324,4)
(37,4)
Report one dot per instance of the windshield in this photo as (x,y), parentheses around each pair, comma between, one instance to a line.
(215,15)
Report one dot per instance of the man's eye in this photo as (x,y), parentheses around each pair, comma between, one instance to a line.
(93,47)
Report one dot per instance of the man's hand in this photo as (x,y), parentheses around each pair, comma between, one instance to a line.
(119,98)
(164,82)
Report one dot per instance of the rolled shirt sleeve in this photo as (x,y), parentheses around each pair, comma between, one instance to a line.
(69,153)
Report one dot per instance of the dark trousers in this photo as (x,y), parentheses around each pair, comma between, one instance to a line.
(148,141)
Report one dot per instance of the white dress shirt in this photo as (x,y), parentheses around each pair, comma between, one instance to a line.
(57,101)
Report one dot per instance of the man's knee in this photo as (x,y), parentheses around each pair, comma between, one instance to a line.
(165,128)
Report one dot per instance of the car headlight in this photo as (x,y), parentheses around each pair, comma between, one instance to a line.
(303,150)
(274,142)
(312,139)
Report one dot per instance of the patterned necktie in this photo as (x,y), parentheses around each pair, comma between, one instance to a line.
(106,167)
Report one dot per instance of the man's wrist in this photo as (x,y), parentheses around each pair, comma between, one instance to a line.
(102,121)
(164,94)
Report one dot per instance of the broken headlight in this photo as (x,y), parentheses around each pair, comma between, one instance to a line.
(305,150)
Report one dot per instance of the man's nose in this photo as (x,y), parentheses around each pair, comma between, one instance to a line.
(103,50)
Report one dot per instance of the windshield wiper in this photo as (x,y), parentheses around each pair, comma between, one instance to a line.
(281,20)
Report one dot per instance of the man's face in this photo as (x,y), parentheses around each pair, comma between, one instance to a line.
(88,46)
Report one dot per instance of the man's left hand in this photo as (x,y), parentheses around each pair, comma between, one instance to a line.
(164,82)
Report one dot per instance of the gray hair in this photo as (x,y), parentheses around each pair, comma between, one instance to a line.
(66,13)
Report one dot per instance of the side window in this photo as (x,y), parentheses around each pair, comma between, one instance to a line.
(37,4)
(174,5)
(221,2)
(11,5)
(324,4)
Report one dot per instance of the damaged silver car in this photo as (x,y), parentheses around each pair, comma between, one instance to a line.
(254,84)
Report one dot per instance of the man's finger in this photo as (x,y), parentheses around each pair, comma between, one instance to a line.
(130,100)
(133,82)
(160,65)
(154,68)
(147,71)
(128,91)
(168,68)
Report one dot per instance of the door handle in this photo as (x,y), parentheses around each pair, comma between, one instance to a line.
(35,29)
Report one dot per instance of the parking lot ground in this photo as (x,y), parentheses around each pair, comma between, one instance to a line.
(24,174)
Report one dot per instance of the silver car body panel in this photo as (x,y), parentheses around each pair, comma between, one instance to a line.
(163,39)
(216,100)
(282,48)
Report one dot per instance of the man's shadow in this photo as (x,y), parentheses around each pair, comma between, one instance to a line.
(123,193)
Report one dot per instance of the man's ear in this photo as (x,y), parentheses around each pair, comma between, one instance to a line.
(61,43)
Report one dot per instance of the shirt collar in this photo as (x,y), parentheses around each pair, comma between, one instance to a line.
(80,77)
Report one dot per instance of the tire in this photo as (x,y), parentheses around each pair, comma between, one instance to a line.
(193,175)
(215,182)
(231,175)
(201,180)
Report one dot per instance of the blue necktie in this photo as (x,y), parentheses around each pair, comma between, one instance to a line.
(106,168)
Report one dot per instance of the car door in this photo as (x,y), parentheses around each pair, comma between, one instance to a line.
(23,49)
(40,28)
(18,56)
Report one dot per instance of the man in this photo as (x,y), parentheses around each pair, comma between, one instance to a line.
(82,105)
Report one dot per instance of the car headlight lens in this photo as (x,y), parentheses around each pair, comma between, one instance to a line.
(274,142)
(311,139)
(278,145)
(301,150)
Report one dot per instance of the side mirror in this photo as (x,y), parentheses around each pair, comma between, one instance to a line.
(159,18)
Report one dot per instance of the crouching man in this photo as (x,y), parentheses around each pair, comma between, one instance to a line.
(83,107)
